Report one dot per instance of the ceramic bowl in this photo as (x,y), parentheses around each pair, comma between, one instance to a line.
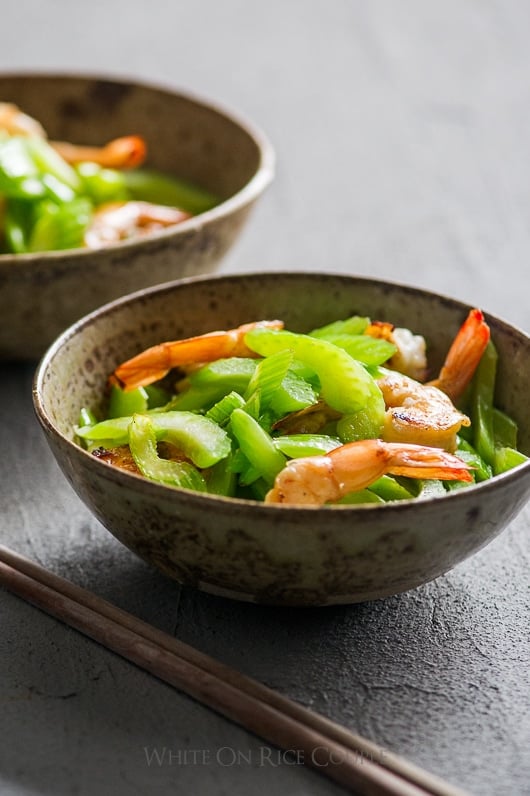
(277,554)
(41,294)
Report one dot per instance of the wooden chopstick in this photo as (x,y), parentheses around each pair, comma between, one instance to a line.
(334,751)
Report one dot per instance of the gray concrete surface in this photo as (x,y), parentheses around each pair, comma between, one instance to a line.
(402,134)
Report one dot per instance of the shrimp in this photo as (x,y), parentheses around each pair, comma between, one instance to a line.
(316,480)
(425,413)
(14,122)
(418,413)
(155,362)
(410,357)
(115,221)
(463,356)
(126,152)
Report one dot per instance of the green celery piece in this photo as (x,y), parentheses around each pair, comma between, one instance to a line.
(293,394)
(482,471)
(102,185)
(221,411)
(48,161)
(60,227)
(199,438)
(231,373)
(430,488)
(267,377)
(123,403)
(221,479)
(256,445)
(356,324)
(345,384)
(157,397)
(240,464)
(17,224)
(358,425)
(483,387)
(258,490)
(507,458)
(504,430)
(360,497)
(19,175)
(364,348)
(387,488)
(209,384)
(299,445)
(152,186)
(142,442)
(87,417)
(249,476)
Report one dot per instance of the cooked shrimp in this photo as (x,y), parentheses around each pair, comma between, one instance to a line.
(126,152)
(14,122)
(463,356)
(115,221)
(410,357)
(155,362)
(425,413)
(418,413)
(316,480)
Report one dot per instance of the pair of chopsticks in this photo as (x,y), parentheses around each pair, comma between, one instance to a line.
(353,761)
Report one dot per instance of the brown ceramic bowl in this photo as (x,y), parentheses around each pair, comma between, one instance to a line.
(265,553)
(41,294)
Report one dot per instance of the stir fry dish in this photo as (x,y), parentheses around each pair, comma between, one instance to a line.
(57,195)
(342,415)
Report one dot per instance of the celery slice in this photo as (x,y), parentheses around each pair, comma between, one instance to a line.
(345,384)
(257,445)
(152,186)
(298,445)
(142,442)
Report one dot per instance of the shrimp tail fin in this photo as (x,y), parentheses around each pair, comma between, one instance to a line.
(423,462)
(463,356)
(145,368)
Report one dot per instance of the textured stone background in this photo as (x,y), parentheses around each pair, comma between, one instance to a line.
(402,134)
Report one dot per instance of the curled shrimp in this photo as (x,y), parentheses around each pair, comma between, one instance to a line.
(419,413)
(425,413)
(155,362)
(14,122)
(115,221)
(316,480)
(126,152)
(463,356)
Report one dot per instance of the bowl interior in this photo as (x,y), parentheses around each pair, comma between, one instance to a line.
(185,136)
(76,368)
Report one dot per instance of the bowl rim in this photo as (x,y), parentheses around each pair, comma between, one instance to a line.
(252,189)
(203,500)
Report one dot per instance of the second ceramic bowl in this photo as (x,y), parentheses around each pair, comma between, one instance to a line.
(43,293)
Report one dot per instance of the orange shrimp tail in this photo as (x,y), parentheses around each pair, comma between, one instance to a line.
(126,152)
(154,363)
(463,356)
(417,461)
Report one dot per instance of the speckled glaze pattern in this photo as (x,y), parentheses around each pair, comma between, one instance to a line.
(276,554)
(43,294)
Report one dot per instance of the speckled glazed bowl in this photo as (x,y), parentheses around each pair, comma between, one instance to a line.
(42,294)
(265,553)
